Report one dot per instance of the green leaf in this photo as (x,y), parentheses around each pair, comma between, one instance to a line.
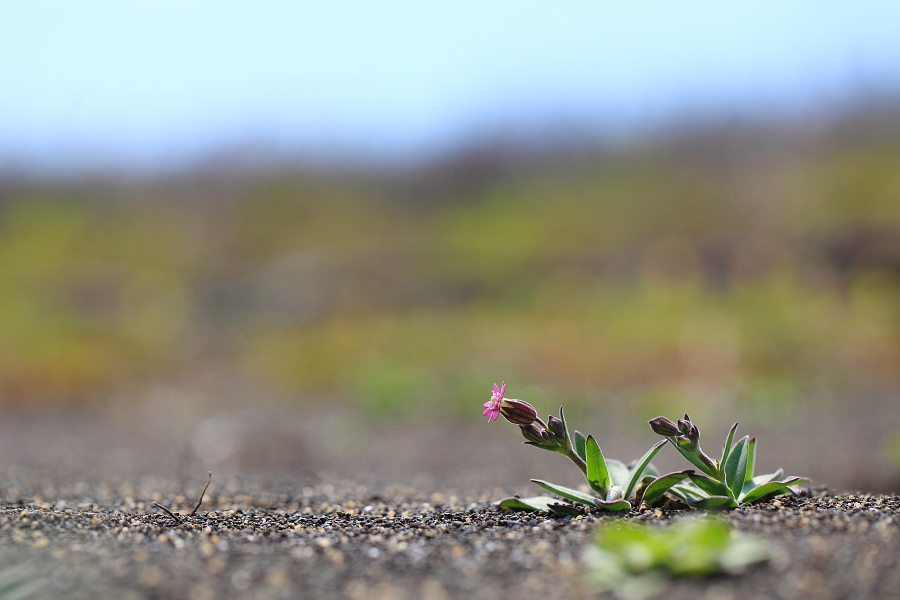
(651,470)
(761,479)
(726,449)
(618,472)
(534,503)
(580,445)
(712,487)
(619,504)
(597,474)
(565,510)
(690,490)
(776,487)
(641,487)
(751,459)
(641,465)
(693,459)
(713,503)
(661,485)
(568,493)
(736,467)
(683,492)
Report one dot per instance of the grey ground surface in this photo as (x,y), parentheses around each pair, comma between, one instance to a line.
(345,541)
(322,507)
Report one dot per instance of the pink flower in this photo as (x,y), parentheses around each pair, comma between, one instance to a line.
(492,406)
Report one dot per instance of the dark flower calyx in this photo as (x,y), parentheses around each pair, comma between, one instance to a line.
(517,411)
(694,435)
(556,427)
(663,427)
(532,433)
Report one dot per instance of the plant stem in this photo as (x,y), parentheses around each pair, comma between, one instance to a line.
(577,460)
(719,471)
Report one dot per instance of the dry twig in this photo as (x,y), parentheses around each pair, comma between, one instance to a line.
(178,519)
(168,512)
(203,493)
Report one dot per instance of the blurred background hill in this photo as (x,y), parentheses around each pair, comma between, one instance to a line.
(731,247)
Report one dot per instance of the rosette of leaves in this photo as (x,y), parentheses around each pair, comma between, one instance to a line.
(724,483)
(638,559)
(615,486)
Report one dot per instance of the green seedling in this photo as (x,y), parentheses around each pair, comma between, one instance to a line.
(724,483)
(639,558)
(615,486)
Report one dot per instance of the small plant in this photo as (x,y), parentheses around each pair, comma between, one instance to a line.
(618,487)
(726,482)
(638,558)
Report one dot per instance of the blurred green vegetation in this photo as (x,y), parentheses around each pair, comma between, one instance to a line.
(634,557)
(692,270)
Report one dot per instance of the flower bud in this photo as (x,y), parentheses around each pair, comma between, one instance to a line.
(684,426)
(532,433)
(694,435)
(556,427)
(663,426)
(517,411)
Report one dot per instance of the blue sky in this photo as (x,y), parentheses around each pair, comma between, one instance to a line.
(155,83)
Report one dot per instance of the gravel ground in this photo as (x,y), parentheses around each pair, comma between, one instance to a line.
(341,540)
(313,506)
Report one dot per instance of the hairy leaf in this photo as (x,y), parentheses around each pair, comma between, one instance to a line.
(712,487)
(751,459)
(773,487)
(580,445)
(726,449)
(762,479)
(661,485)
(618,472)
(736,467)
(565,492)
(534,503)
(641,465)
(565,510)
(650,469)
(619,504)
(686,491)
(597,474)
(713,502)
